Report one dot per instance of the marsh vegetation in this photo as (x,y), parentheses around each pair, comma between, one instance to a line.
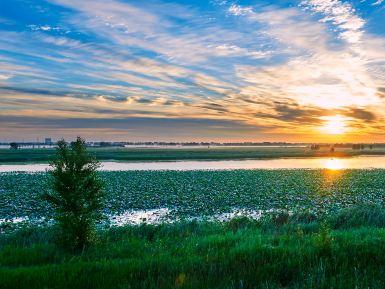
(203,229)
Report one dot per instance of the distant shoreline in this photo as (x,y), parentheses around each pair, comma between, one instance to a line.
(145,154)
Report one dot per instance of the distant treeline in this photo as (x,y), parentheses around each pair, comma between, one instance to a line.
(353,146)
(314,146)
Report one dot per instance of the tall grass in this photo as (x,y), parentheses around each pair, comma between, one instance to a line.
(345,251)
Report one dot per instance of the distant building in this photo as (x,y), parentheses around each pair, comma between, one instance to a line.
(48,141)
(315,147)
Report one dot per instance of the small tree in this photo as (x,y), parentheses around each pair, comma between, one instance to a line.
(77,193)
(14,145)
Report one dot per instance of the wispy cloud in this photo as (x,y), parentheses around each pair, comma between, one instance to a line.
(342,15)
(268,66)
(378,2)
(326,76)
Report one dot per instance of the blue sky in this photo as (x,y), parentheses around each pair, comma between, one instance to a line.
(192,70)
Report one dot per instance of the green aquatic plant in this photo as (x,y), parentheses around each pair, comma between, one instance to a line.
(307,194)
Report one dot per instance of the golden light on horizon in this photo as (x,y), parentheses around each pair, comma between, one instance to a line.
(334,125)
(334,164)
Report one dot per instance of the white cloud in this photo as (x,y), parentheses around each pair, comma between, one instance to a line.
(234,50)
(378,2)
(153,29)
(4,77)
(340,14)
(43,28)
(212,83)
(205,69)
(238,10)
(324,76)
(289,26)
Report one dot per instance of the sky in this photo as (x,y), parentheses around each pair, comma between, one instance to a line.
(220,70)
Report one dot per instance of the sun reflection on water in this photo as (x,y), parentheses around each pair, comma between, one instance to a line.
(334,164)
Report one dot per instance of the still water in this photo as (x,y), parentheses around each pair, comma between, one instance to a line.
(360,162)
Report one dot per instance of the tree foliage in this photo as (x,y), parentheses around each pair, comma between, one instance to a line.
(14,145)
(77,193)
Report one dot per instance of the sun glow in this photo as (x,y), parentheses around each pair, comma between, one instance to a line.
(334,164)
(334,125)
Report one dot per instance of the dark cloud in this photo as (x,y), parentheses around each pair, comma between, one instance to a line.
(47,92)
(252,101)
(295,113)
(121,123)
(126,112)
(359,113)
(213,106)
(381,92)
(144,100)
(131,128)
(299,114)
(33,91)
(60,93)
(173,102)
(118,99)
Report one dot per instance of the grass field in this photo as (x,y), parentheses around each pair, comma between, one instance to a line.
(161,154)
(296,253)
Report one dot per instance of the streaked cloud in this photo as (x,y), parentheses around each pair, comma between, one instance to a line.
(276,68)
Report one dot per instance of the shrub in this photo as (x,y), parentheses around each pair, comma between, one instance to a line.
(280,218)
(357,216)
(304,217)
(238,223)
(77,194)
(324,240)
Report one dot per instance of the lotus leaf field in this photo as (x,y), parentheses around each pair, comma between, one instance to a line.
(206,193)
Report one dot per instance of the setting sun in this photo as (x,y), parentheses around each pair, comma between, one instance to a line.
(334,125)
(334,164)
